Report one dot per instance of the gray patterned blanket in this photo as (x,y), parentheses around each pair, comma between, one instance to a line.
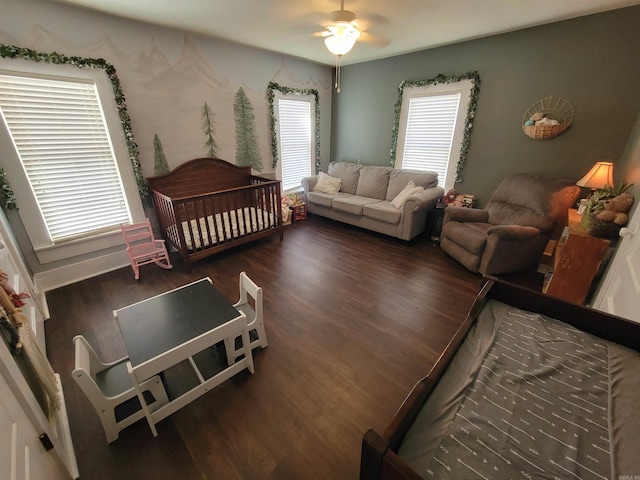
(531,401)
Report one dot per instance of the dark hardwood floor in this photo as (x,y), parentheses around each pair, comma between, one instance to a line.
(353,320)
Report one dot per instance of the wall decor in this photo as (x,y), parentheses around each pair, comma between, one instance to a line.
(247,148)
(547,118)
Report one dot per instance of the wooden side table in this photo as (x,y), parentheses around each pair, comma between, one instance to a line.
(577,262)
(435,216)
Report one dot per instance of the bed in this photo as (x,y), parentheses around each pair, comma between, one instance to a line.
(208,205)
(530,387)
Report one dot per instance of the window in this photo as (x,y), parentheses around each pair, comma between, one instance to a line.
(294,115)
(60,135)
(431,128)
(64,150)
(295,140)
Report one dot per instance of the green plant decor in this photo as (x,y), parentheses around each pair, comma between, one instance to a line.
(209,130)
(247,149)
(11,51)
(7,198)
(160,164)
(595,204)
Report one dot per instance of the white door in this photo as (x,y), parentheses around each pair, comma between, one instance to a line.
(619,293)
(22,455)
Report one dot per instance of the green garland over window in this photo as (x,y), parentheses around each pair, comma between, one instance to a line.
(273,121)
(7,197)
(468,125)
(11,51)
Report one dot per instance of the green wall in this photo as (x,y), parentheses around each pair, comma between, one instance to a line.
(592,61)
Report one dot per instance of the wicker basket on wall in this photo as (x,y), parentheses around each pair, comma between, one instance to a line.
(555,108)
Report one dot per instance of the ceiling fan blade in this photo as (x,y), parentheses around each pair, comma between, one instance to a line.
(377,40)
(322,34)
(375,20)
(371,22)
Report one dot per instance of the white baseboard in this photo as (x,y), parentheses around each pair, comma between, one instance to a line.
(59,277)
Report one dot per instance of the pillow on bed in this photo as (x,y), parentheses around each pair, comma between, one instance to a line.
(406,192)
(328,184)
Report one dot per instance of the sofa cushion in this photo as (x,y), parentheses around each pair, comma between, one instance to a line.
(373,182)
(469,236)
(327,184)
(352,203)
(324,199)
(398,179)
(348,172)
(382,211)
(400,199)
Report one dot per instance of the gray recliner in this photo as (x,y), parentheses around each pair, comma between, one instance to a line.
(512,231)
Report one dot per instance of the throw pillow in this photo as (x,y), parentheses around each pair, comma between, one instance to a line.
(348,172)
(328,184)
(406,192)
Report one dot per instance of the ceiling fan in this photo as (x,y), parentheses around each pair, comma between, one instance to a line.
(341,34)
(343,30)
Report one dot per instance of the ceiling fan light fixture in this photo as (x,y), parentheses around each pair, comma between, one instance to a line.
(343,38)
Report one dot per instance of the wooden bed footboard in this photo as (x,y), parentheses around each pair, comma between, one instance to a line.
(379,458)
(208,205)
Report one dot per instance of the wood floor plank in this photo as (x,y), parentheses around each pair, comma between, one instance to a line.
(353,320)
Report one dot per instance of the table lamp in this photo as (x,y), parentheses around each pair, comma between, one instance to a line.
(600,175)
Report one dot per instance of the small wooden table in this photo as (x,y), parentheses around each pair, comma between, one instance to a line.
(175,326)
(577,262)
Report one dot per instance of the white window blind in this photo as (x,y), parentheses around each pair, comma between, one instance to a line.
(60,134)
(429,134)
(295,141)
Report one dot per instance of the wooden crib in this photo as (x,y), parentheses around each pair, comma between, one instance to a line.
(208,205)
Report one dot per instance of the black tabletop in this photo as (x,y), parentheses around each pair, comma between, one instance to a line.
(156,325)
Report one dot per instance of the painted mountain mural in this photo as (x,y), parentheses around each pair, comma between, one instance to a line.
(165,97)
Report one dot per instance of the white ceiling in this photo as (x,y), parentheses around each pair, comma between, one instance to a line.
(398,26)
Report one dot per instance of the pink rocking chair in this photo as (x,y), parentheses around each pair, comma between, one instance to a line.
(143,248)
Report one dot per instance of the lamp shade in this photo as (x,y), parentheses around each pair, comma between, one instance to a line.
(600,175)
(343,38)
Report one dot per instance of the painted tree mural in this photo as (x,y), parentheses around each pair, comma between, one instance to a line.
(247,150)
(160,165)
(208,128)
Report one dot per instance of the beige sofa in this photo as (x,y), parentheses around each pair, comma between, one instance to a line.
(367,195)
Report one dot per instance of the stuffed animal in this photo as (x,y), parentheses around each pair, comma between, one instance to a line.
(450,197)
(547,121)
(616,209)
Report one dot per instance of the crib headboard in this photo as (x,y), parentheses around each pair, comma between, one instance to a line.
(201,176)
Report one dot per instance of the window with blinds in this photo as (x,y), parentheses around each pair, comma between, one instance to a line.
(296,147)
(430,127)
(61,137)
